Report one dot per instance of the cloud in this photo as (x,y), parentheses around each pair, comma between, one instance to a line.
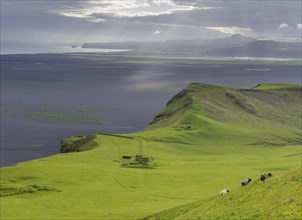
(232,30)
(157,32)
(136,20)
(284,26)
(101,10)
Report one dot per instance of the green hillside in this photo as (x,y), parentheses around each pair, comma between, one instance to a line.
(276,198)
(276,86)
(231,116)
(207,138)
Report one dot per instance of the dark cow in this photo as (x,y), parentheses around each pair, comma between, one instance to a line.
(245,182)
(265,176)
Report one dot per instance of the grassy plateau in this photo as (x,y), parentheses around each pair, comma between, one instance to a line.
(206,138)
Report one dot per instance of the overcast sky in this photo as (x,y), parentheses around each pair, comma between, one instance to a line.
(66,22)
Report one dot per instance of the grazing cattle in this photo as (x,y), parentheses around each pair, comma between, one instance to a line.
(224,192)
(245,182)
(265,176)
(262,177)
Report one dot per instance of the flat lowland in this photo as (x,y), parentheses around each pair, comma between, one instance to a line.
(206,138)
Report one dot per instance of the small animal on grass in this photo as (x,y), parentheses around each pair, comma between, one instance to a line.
(245,182)
(224,192)
(265,176)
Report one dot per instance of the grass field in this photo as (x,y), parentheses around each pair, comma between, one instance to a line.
(207,138)
(275,198)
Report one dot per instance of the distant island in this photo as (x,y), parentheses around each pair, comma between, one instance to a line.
(234,46)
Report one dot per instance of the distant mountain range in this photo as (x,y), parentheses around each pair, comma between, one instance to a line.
(234,46)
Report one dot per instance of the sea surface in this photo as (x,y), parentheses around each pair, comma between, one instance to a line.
(31,49)
(47,97)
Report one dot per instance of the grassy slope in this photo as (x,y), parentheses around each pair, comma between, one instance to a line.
(273,86)
(207,138)
(276,198)
(226,116)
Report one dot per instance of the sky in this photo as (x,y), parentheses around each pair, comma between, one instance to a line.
(57,22)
